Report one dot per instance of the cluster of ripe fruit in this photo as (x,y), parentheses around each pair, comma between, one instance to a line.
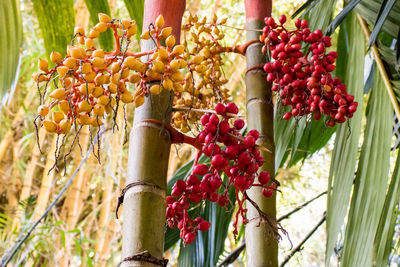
(232,154)
(304,80)
(90,82)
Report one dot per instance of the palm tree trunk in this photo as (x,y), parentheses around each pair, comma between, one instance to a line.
(144,204)
(261,247)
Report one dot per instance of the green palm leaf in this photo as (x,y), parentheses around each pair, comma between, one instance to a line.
(56,21)
(385,232)
(371,179)
(351,45)
(11,36)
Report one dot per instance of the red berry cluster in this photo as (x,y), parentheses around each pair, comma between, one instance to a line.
(231,153)
(304,81)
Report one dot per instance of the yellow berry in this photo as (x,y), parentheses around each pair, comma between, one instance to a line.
(43,65)
(58,94)
(174,65)
(98,91)
(98,110)
(98,62)
(160,21)
(162,54)
(155,89)
(112,88)
(57,116)
(95,122)
(89,77)
(134,78)
(84,106)
(101,27)
(77,52)
(125,73)
(127,97)
(94,33)
(37,76)
(115,67)
(126,24)
(104,18)
(84,90)
(55,57)
(145,35)
(140,67)
(43,110)
(168,84)
(50,126)
(65,126)
(197,59)
(70,63)
(139,100)
(170,42)
(166,32)
(89,43)
(104,100)
(177,76)
(132,30)
(130,62)
(79,31)
(158,66)
(64,106)
(86,68)
(98,53)
(83,119)
(178,50)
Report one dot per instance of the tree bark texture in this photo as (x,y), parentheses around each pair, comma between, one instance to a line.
(144,203)
(261,246)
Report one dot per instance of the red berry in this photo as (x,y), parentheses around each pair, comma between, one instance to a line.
(200,169)
(304,23)
(224,127)
(217,161)
(189,237)
(170,200)
(264,177)
(287,116)
(232,108)
(203,225)
(282,19)
(254,133)
(249,141)
(204,119)
(239,124)
(214,119)
(267,192)
(220,109)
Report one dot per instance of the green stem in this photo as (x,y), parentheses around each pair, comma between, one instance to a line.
(262,246)
(149,148)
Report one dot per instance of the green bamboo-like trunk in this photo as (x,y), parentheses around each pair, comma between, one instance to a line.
(144,203)
(261,246)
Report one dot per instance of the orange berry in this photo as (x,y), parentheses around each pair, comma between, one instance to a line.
(104,18)
(55,57)
(50,126)
(43,110)
(43,65)
(58,94)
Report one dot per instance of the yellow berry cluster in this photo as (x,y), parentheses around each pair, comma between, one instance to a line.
(90,82)
(205,87)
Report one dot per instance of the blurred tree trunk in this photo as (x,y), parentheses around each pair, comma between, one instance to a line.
(261,246)
(144,203)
